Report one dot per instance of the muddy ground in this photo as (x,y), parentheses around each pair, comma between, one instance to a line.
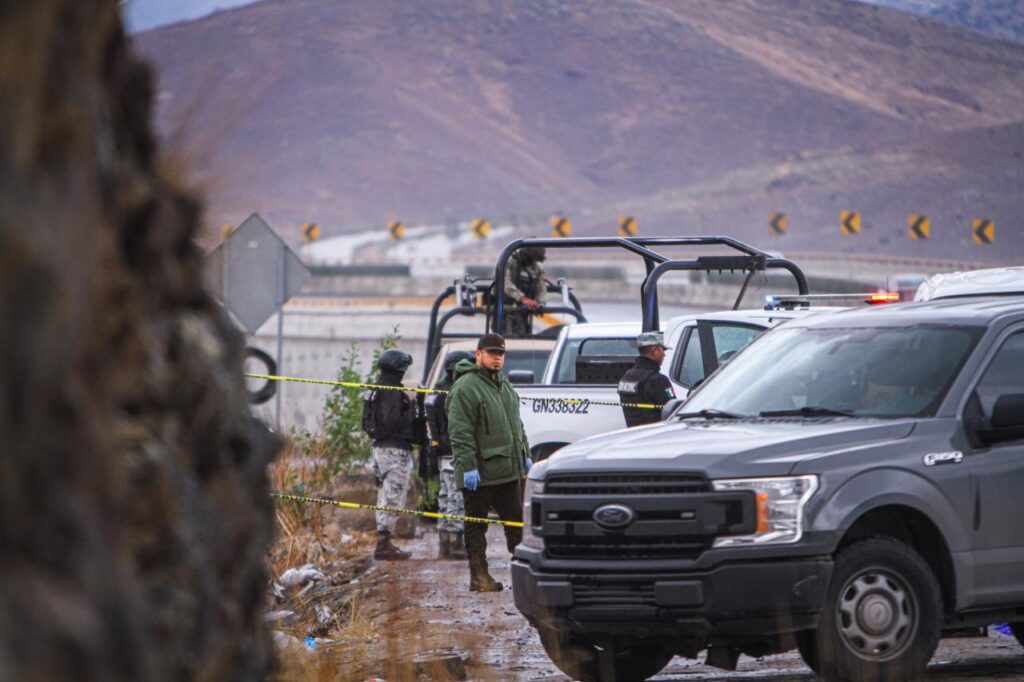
(408,619)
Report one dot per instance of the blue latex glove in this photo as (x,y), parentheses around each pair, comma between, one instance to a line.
(529,463)
(471,479)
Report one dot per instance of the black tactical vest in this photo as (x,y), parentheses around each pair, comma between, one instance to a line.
(631,390)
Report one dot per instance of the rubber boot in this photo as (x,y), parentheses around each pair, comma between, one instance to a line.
(386,551)
(457,547)
(480,580)
(444,544)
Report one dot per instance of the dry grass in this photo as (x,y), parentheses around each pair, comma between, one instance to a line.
(337,542)
(380,624)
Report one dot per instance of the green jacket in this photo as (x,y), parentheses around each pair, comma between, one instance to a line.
(484,427)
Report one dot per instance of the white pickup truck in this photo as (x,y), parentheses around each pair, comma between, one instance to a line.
(577,395)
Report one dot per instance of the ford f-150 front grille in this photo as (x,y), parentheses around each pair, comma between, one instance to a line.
(623,517)
(626,484)
(629,594)
(623,548)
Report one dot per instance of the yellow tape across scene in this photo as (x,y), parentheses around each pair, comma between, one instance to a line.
(353,384)
(394,510)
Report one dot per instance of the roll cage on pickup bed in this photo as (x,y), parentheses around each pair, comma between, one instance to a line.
(745,259)
(481,297)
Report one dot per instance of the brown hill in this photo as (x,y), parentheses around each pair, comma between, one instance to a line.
(695,116)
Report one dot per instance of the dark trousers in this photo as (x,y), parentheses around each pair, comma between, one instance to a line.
(507,500)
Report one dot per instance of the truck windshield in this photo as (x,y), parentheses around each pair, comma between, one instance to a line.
(865,372)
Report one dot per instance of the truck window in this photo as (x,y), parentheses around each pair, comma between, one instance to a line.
(884,372)
(534,360)
(691,368)
(1005,374)
(566,369)
(729,339)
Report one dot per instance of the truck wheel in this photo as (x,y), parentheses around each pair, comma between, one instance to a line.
(581,660)
(882,616)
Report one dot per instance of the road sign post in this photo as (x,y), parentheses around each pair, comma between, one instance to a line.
(237,274)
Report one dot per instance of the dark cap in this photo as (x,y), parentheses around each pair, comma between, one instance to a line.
(491,341)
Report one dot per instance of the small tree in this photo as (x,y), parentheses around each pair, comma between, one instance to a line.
(347,447)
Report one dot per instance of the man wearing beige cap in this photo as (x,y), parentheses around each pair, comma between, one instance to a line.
(644,384)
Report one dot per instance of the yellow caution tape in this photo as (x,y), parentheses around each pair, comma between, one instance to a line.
(355,384)
(393,510)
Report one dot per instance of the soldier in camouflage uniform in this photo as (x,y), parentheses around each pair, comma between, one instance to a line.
(450,533)
(524,287)
(389,417)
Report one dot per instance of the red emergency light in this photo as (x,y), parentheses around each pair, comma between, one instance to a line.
(882,297)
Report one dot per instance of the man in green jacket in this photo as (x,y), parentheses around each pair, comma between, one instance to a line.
(491,453)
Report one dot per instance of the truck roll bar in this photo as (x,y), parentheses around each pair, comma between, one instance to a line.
(748,259)
(466,291)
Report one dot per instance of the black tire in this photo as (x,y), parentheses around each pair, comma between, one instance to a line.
(267,390)
(1018,631)
(883,615)
(586,662)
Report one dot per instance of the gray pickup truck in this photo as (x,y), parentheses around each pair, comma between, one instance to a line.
(850,485)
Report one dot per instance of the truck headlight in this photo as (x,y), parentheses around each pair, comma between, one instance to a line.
(533,487)
(780,508)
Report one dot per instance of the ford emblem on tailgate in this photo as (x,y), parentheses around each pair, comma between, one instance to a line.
(614,516)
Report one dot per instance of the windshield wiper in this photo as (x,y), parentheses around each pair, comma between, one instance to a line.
(710,414)
(808,411)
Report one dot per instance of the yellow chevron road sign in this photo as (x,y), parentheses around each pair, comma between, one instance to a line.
(396,230)
(983,231)
(627,226)
(310,232)
(481,227)
(778,223)
(920,227)
(849,222)
(561,226)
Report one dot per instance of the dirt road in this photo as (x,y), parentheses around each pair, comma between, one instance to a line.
(423,610)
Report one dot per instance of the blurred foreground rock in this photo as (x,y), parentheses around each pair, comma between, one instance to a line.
(134,506)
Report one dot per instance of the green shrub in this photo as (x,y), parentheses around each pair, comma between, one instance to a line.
(343,444)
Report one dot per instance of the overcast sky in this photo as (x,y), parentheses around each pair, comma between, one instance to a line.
(140,15)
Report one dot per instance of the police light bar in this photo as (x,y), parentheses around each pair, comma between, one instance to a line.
(790,301)
(882,297)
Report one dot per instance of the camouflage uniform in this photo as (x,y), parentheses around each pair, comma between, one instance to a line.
(449,498)
(392,467)
(523,279)
(390,419)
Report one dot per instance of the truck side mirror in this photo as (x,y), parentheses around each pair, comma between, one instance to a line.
(669,407)
(1007,422)
(521,376)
